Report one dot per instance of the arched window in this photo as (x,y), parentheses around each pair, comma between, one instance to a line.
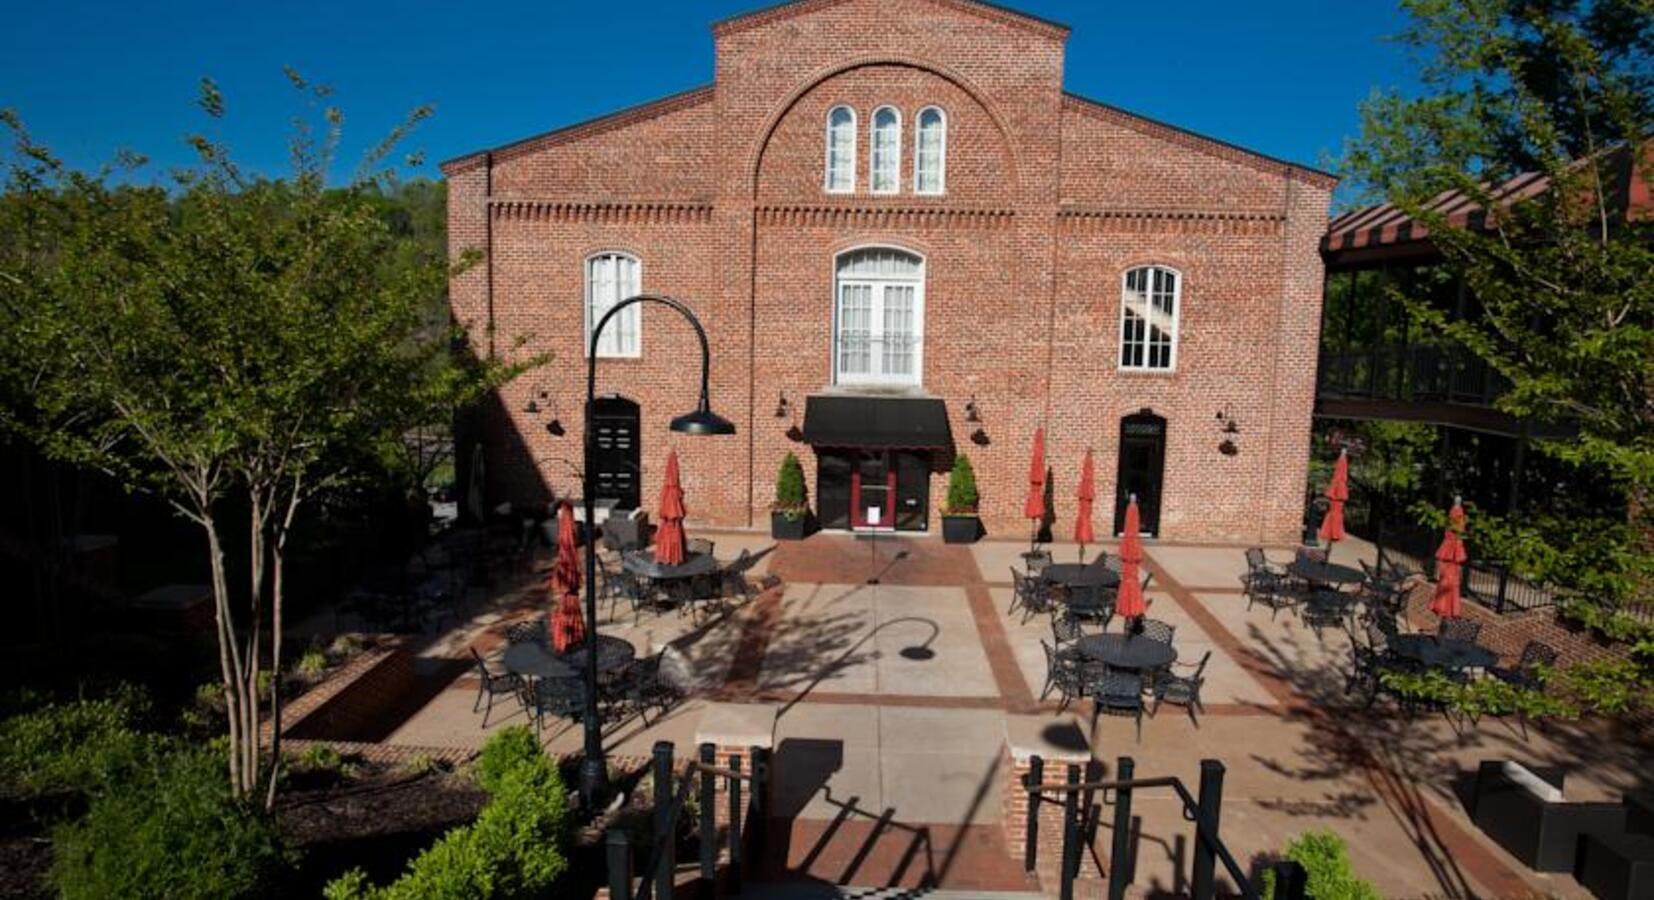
(930,151)
(611,278)
(887,150)
(879,317)
(1149,307)
(841,149)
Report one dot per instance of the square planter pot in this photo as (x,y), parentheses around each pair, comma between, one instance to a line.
(783,528)
(961,529)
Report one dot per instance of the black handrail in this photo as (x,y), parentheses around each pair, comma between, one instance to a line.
(660,869)
(1202,810)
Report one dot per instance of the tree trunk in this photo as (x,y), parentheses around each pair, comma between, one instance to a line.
(229,655)
(278,564)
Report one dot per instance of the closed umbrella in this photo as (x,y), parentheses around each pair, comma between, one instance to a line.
(1338,491)
(1084,496)
(1450,558)
(1034,507)
(669,550)
(1129,603)
(568,625)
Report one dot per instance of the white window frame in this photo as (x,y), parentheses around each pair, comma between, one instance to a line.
(873,152)
(1176,325)
(942,157)
(876,375)
(634,312)
(827,157)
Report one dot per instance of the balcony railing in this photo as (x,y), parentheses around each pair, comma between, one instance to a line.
(1410,372)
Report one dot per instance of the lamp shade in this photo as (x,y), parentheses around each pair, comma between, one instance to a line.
(702,421)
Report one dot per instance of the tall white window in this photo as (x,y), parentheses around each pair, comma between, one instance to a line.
(930,151)
(841,149)
(887,150)
(880,316)
(1149,307)
(611,278)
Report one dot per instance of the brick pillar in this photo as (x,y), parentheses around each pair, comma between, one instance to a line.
(735,729)
(1058,741)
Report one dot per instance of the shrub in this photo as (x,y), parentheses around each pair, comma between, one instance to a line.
(514,848)
(1326,861)
(791,498)
(77,747)
(962,498)
(420,764)
(313,662)
(169,829)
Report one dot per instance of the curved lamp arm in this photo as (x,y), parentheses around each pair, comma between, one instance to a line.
(663,300)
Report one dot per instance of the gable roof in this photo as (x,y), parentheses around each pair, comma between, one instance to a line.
(1203,143)
(791,8)
(631,115)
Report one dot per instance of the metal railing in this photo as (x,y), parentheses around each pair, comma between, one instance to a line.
(659,871)
(1204,810)
(1489,582)
(1450,374)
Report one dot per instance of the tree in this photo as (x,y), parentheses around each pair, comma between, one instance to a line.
(1563,276)
(233,337)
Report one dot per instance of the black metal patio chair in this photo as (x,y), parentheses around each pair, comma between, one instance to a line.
(1269,589)
(1065,672)
(1525,674)
(1120,693)
(1467,630)
(1030,593)
(561,698)
(493,684)
(1182,690)
(1156,630)
(532,631)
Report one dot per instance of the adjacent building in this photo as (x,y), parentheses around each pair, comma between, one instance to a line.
(906,241)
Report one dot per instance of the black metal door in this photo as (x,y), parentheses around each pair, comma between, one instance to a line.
(617,459)
(1142,469)
(833,488)
(912,490)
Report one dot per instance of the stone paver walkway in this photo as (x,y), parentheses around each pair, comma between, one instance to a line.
(894,664)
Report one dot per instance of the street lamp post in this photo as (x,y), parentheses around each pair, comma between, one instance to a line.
(594,774)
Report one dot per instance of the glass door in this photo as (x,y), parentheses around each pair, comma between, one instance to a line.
(872,491)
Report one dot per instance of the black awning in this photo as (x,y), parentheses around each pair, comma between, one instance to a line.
(883,423)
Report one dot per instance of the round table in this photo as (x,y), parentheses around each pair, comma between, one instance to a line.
(642,563)
(536,660)
(1324,573)
(1126,651)
(1443,654)
(1080,575)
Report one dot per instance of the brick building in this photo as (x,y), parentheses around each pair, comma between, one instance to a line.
(905,241)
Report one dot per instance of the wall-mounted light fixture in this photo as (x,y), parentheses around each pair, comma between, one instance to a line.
(553,427)
(972,413)
(782,408)
(1229,444)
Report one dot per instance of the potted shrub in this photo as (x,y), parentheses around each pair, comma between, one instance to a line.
(790,515)
(960,524)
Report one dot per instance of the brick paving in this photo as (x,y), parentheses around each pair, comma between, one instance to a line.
(889,760)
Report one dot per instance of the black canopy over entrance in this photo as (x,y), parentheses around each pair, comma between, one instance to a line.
(877,423)
(873,459)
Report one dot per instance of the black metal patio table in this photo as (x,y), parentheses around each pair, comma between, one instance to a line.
(1326,573)
(1080,575)
(642,563)
(1126,651)
(537,660)
(1443,654)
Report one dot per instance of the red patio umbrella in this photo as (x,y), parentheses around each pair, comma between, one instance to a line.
(1338,491)
(1129,603)
(1034,507)
(1084,496)
(669,548)
(1450,557)
(568,626)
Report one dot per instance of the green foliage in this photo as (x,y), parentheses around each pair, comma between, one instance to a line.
(1613,687)
(1481,696)
(313,662)
(420,764)
(1562,281)
(962,498)
(78,747)
(1327,862)
(318,758)
(169,828)
(515,848)
(1613,623)
(791,497)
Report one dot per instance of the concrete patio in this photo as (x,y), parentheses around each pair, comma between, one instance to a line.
(893,697)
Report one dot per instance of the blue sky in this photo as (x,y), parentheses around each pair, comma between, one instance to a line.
(1279,76)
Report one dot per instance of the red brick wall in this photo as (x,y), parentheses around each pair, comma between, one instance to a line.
(1049,198)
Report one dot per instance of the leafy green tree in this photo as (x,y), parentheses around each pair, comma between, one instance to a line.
(962,498)
(232,337)
(1563,277)
(791,497)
